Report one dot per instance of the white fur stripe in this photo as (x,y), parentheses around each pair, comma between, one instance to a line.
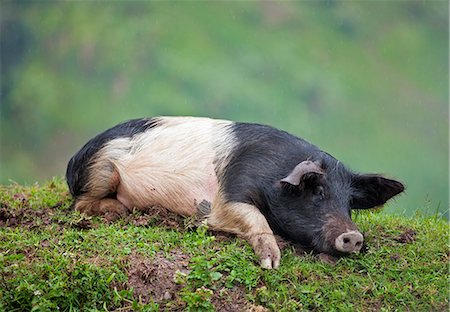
(172,164)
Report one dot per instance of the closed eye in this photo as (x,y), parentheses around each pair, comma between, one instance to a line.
(319,192)
(318,195)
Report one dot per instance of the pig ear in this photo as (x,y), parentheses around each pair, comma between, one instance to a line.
(301,171)
(372,190)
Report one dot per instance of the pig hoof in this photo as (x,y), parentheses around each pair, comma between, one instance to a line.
(266,263)
(269,263)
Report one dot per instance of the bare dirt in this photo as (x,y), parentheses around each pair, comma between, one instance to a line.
(25,217)
(230,300)
(36,218)
(156,216)
(154,279)
(408,236)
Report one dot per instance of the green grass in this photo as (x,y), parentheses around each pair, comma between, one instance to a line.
(53,258)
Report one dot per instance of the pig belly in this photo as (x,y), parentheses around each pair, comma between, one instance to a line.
(181,201)
(176,192)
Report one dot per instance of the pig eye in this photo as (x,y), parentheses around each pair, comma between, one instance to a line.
(320,192)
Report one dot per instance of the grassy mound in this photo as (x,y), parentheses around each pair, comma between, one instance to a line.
(53,258)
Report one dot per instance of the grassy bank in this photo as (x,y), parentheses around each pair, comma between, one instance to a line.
(53,258)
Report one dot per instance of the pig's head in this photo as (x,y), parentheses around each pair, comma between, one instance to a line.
(315,200)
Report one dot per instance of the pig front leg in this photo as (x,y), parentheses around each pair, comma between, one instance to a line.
(247,222)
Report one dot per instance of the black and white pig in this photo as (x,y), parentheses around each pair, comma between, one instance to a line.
(248,179)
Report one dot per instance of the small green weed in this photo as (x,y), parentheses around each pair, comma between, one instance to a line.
(199,300)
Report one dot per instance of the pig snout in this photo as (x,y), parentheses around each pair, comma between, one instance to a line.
(349,242)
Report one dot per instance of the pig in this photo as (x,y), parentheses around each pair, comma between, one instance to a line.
(248,179)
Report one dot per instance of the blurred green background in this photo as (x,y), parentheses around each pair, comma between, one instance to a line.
(367,81)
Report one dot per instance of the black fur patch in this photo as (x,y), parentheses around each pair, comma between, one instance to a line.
(77,172)
(263,156)
(261,159)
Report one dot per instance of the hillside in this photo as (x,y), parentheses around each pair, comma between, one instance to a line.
(53,258)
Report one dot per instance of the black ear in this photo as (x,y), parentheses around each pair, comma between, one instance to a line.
(371,190)
(306,173)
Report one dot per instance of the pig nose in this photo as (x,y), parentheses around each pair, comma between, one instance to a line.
(349,242)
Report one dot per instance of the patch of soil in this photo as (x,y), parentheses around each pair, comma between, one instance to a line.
(83,224)
(22,198)
(282,243)
(230,300)
(407,237)
(157,216)
(222,236)
(25,217)
(326,258)
(153,279)
(33,218)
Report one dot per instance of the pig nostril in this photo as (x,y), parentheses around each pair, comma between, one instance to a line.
(358,244)
(346,240)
